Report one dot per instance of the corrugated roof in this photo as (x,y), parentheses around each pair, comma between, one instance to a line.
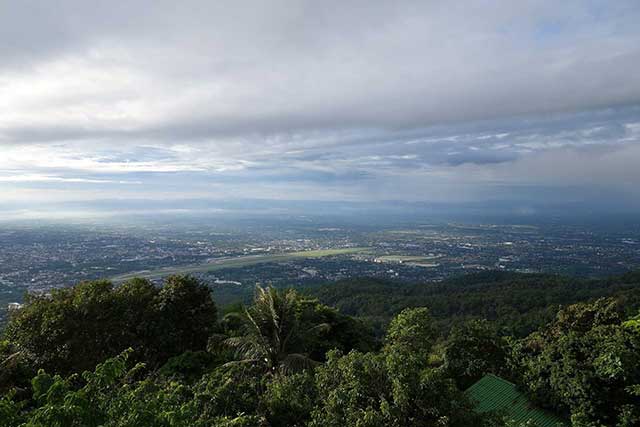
(492,393)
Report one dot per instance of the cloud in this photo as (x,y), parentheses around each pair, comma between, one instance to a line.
(48,178)
(198,70)
(364,100)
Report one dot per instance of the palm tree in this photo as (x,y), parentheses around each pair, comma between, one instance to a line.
(273,330)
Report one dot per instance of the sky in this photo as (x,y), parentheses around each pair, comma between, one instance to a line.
(527,102)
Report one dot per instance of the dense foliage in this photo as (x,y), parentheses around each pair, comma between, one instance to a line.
(517,304)
(137,355)
(473,349)
(74,329)
(586,363)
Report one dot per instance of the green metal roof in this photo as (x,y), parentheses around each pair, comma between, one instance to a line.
(492,393)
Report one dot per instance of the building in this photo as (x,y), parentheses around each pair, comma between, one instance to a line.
(14,306)
(492,393)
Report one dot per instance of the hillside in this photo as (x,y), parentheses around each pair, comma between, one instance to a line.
(517,303)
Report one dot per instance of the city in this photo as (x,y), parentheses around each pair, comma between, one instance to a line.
(232,260)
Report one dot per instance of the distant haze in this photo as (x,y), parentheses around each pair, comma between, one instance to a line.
(496,105)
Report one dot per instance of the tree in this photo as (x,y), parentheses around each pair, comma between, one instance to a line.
(344,333)
(586,363)
(289,399)
(10,410)
(274,333)
(396,387)
(473,350)
(353,391)
(408,344)
(186,316)
(110,397)
(71,330)
(74,329)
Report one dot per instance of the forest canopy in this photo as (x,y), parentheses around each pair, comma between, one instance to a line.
(140,355)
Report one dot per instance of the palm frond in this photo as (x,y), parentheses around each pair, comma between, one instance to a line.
(243,362)
(215,341)
(320,327)
(248,347)
(271,327)
(233,316)
(11,358)
(252,322)
(296,362)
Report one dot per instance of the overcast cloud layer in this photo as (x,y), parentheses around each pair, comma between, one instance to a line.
(436,101)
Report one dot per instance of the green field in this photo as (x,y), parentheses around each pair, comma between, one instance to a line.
(419,261)
(234,262)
